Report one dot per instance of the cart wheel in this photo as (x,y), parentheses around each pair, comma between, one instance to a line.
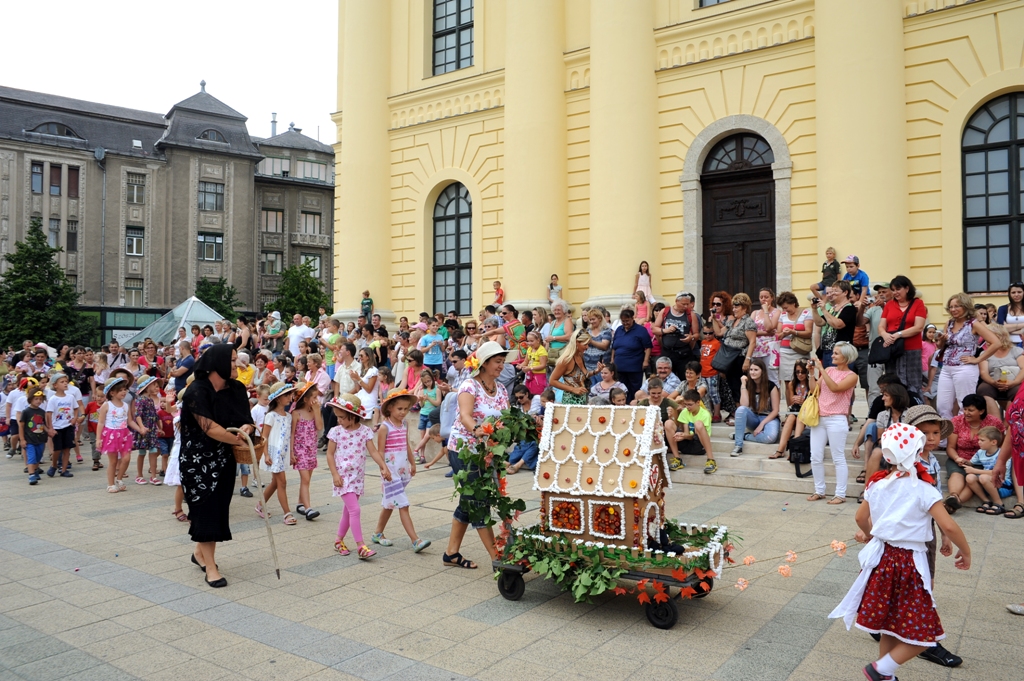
(662,615)
(701,593)
(511,585)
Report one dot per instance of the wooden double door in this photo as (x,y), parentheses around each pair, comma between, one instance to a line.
(738,233)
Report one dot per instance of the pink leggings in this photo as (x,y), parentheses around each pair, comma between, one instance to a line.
(350,516)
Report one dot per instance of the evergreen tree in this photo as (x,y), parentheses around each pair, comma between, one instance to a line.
(300,292)
(37,302)
(218,295)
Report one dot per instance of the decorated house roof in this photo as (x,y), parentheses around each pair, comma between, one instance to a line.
(601,450)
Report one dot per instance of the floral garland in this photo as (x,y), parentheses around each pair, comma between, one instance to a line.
(481,482)
(590,568)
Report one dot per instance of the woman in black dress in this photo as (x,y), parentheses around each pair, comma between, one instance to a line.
(212,403)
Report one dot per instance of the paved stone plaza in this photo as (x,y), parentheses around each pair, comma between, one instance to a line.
(99,586)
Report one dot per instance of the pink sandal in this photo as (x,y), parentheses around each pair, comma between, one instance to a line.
(260,512)
(340,547)
(366,552)
(289,519)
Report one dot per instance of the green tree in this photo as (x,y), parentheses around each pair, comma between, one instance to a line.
(37,301)
(300,292)
(218,295)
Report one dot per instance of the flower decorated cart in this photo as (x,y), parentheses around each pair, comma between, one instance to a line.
(602,475)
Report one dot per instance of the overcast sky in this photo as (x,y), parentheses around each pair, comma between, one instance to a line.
(256,56)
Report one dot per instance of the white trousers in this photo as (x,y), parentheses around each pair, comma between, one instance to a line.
(955,383)
(834,429)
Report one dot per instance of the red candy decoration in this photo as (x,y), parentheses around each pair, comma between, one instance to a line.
(601,419)
(590,481)
(554,420)
(625,452)
(547,476)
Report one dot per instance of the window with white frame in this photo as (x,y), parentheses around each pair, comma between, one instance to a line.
(314,260)
(133,240)
(272,221)
(211,247)
(53,238)
(310,223)
(280,167)
(271,262)
(312,170)
(136,188)
(133,290)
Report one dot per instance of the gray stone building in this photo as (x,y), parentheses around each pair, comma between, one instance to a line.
(145,204)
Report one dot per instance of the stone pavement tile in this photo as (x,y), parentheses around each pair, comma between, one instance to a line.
(53,617)
(522,669)
(203,643)
(190,605)
(55,667)
(414,617)
(14,596)
(455,628)
(702,649)
(241,655)
(374,665)
(221,614)
(101,672)
(290,635)
(372,632)
(838,666)
(114,607)
(146,617)
(331,675)
(281,667)
(646,672)
(418,645)
(151,658)
(468,661)
(26,650)
(108,649)
(330,651)
(549,653)
(98,631)
(174,629)
(759,659)
(194,668)
(452,603)
(166,593)
(422,672)
(341,623)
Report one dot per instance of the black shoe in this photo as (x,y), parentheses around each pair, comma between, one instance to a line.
(877,637)
(300,509)
(217,583)
(245,492)
(201,567)
(311,514)
(940,655)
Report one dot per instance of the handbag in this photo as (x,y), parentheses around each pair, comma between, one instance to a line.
(809,410)
(881,353)
(726,356)
(800,345)
(800,453)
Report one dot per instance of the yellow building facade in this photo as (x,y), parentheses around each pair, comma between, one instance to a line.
(727,145)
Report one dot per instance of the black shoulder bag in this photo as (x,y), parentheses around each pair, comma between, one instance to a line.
(883,354)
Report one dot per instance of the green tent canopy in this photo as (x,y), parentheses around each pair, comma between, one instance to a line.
(164,330)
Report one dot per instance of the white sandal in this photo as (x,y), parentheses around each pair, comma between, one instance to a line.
(113,489)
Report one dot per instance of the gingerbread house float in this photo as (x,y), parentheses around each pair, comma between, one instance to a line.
(602,473)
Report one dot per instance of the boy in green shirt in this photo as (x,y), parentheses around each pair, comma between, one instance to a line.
(332,341)
(693,434)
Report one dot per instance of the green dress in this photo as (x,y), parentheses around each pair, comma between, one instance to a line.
(577,378)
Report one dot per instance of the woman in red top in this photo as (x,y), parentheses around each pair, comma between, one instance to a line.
(962,444)
(904,301)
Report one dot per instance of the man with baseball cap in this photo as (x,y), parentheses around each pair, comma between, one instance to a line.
(857,277)
(679,330)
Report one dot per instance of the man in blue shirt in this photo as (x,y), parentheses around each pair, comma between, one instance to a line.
(631,352)
(431,345)
(857,277)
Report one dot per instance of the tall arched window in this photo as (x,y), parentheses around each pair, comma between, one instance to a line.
(993,162)
(453,250)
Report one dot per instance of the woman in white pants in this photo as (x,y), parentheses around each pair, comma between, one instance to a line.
(959,376)
(837,386)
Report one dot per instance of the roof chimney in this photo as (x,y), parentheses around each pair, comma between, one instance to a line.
(298,130)
(273,124)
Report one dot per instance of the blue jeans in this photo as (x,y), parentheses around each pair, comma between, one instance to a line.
(526,452)
(331,368)
(746,420)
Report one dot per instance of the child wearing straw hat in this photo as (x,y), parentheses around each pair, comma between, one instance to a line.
(277,433)
(146,417)
(307,421)
(393,440)
(347,446)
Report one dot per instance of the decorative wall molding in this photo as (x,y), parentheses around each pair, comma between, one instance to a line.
(476,93)
(7,163)
(913,8)
(315,240)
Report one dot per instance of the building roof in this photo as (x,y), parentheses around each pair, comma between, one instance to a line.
(94,125)
(205,103)
(294,139)
(601,451)
(192,117)
(187,313)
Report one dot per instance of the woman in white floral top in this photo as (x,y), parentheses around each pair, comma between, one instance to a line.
(480,397)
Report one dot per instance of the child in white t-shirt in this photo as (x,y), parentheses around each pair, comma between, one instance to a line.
(980,477)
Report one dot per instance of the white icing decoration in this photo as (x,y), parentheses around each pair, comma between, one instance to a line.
(620,509)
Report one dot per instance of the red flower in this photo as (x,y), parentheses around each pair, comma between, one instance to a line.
(488,428)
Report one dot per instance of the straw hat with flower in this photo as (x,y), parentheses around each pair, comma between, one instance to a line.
(482,354)
(351,404)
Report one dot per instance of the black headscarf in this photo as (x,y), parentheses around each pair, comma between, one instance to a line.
(217,360)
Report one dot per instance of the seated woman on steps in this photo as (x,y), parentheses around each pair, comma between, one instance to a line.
(797,391)
(759,408)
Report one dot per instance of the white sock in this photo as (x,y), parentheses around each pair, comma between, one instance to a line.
(887,666)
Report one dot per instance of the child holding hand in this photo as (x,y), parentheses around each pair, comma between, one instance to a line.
(307,421)
(114,424)
(892,596)
(277,433)
(347,446)
(393,440)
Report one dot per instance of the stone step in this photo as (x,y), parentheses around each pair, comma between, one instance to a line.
(759,480)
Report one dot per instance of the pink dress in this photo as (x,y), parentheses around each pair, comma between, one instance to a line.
(350,457)
(305,445)
(396,457)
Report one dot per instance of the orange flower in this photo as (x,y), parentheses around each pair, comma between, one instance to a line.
(839,547)
(488,428)
(790,556)
(785,571)
(742,584)
(749,560)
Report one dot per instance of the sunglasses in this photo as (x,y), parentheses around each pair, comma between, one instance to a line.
(716,305)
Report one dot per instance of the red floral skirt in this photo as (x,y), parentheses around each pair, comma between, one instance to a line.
(895,601)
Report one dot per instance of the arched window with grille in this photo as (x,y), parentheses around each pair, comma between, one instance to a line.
(739,152)
(993,202)
(453,250)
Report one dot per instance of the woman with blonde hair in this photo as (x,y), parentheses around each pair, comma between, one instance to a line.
(960,341)
(740,334)
(570,374)
(837,384)
(561,330)
(1002,373)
